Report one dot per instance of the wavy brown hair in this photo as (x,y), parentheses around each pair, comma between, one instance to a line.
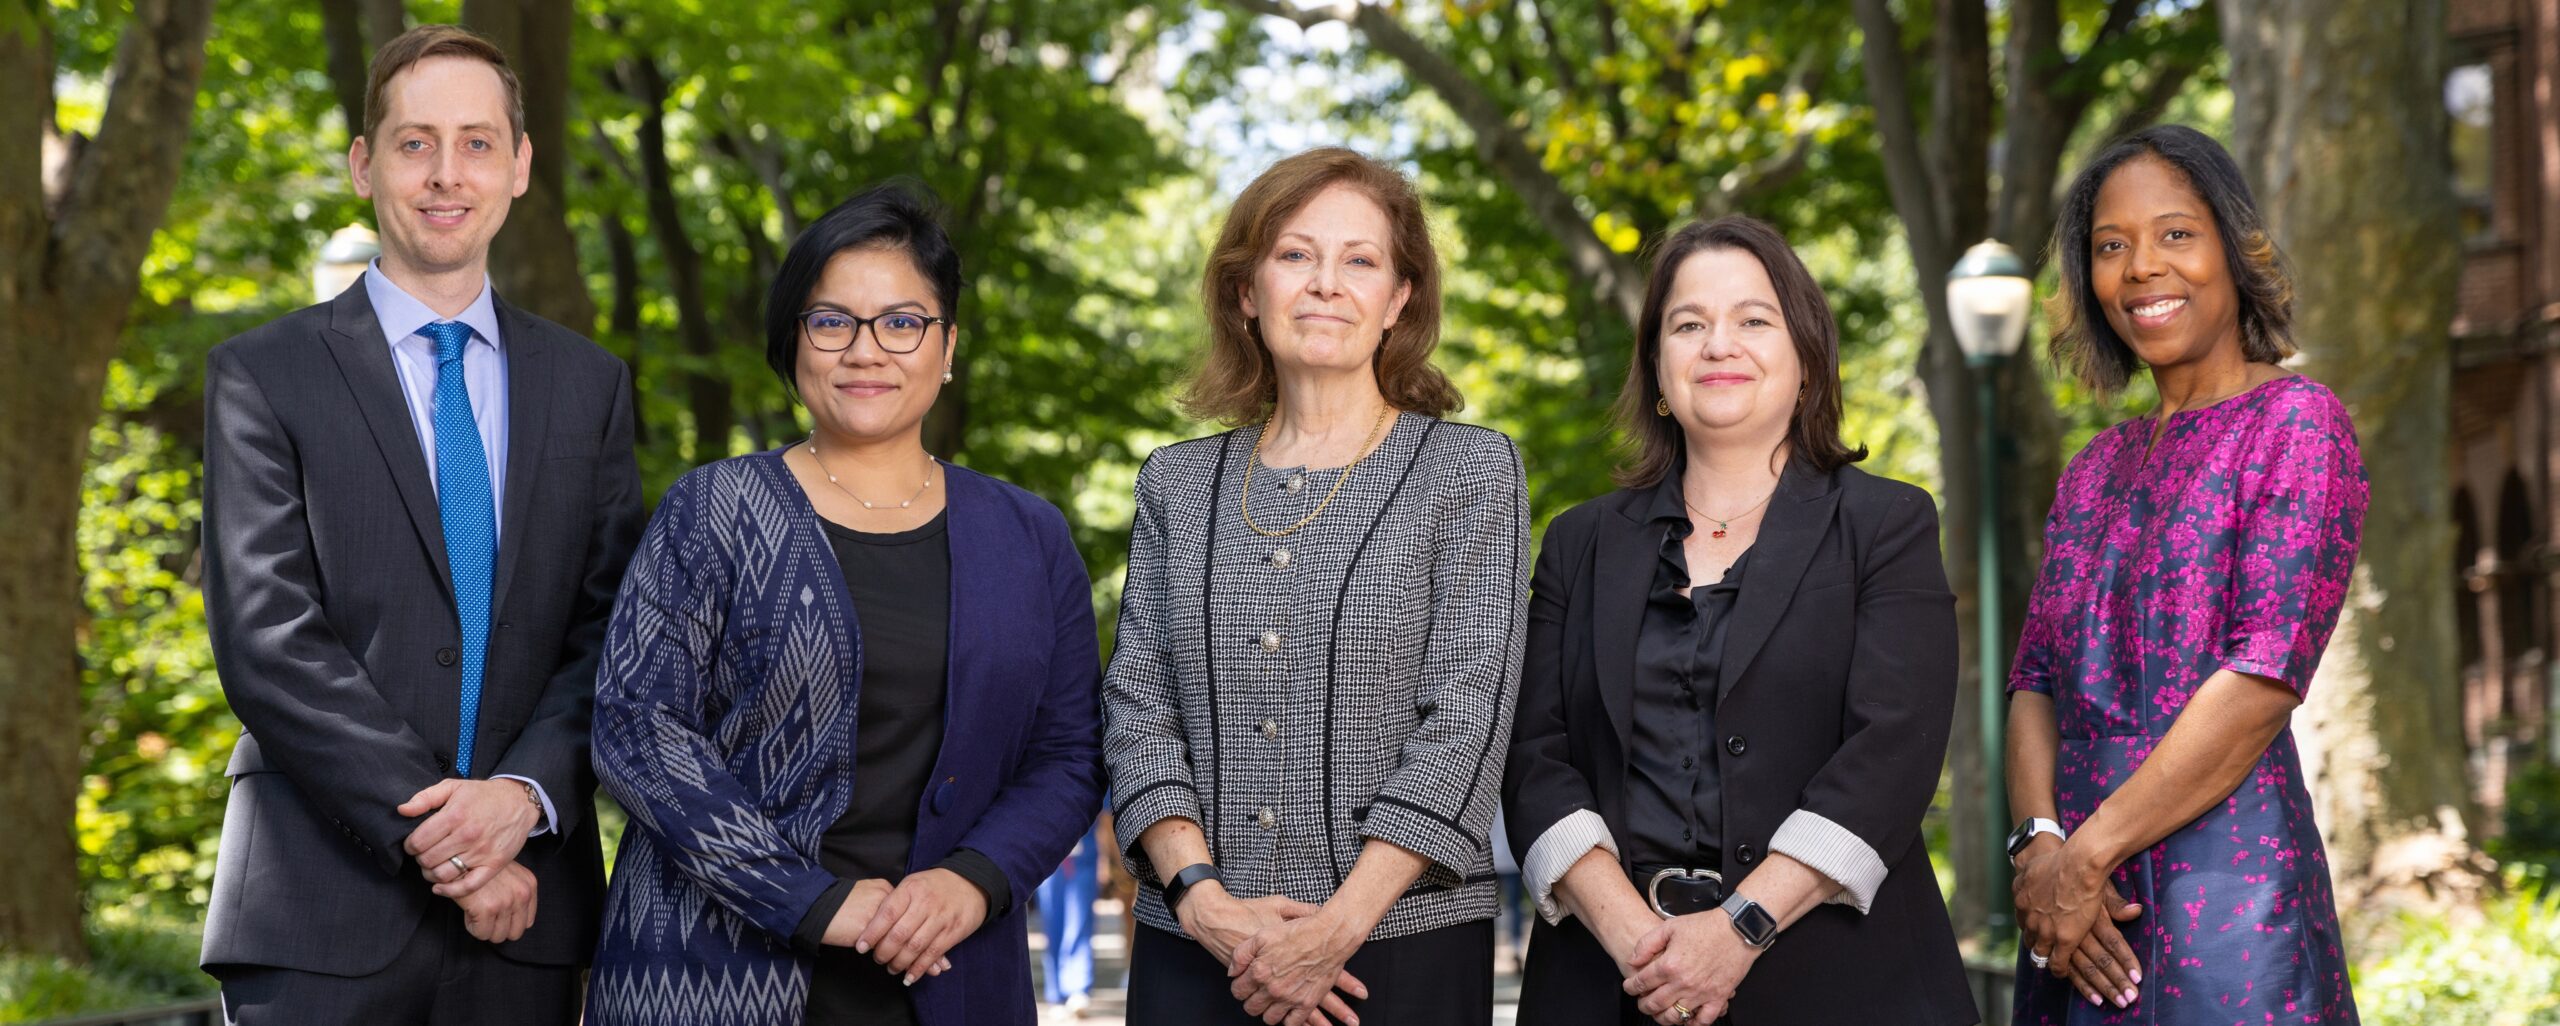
(2084,344)
(1236,383)
(1813,436)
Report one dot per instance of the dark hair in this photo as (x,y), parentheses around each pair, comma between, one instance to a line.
(1814,433)
(896,214)
(2083,342)
(426,41)
(1236,383)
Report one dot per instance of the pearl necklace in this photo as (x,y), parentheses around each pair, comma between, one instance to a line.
(866,503)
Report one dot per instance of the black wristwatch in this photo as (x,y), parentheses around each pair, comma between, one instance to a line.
(1757,927)
(1184,881)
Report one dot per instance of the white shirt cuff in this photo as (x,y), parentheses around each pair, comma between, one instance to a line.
(540,795)
(1831,850)
(1556,851)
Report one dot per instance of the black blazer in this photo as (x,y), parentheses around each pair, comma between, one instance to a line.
(333,626)
(1837,692)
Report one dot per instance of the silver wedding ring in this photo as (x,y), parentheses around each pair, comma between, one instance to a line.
(459,867)
(2039,960)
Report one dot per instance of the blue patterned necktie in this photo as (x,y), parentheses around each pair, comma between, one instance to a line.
(470,519)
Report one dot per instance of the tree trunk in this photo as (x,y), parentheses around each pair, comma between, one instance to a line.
(353,31)
(534,259)
(2338,120)
(705,387)
(70,262)
(622,324)
(1942,192)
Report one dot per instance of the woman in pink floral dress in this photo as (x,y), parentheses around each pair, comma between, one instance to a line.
(2169,871)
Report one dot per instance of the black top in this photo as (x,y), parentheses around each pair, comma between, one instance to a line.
(900,585)
(1675,802)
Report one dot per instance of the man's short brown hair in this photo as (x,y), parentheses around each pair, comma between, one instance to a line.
(426,41)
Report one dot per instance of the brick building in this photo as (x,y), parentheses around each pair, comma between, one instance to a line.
(2503,91)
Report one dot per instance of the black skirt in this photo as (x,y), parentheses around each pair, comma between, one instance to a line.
(1435,977)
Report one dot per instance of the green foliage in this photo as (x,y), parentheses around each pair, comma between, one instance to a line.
(137,961)
(2503,971)
(2532,833)
(159,732)
(1078,236)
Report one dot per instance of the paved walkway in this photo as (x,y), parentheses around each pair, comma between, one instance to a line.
(1111,971)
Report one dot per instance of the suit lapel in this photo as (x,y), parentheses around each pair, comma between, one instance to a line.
(1621,580)
(528,355)
(1798,518)
(364,357)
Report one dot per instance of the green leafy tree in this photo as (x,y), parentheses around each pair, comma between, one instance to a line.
(77,213)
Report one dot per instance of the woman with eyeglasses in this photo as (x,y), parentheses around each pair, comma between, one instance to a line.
(848,694)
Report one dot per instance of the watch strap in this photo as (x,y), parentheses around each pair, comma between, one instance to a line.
(1757,927)
(1182,883)
(2026,833)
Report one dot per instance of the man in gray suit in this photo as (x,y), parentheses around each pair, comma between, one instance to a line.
(418,503)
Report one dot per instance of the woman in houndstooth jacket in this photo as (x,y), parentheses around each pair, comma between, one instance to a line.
(1320,636)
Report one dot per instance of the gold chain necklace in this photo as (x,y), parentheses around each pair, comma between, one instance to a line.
(1723,523)
(866,503)
(1244,502)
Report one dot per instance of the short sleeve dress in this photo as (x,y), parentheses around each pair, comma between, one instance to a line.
(2227,544)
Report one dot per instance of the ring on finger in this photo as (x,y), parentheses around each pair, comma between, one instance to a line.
(458,865)
(1681,1011)
(2040,960)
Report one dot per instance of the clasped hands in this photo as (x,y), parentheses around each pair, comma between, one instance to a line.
(467,848)
(1688,963)
(2067,914)
(1285,957)
(909,928)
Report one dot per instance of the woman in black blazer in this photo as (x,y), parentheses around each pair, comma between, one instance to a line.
(1717,790)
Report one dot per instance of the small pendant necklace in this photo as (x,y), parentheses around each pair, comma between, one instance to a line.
(866,503)
(1724,524)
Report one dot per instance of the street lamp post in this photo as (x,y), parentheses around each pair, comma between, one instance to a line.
(1988,296)
(342,260)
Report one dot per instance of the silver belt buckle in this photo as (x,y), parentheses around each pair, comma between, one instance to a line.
(1653,887)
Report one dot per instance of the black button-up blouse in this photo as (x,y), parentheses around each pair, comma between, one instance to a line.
(1675,811)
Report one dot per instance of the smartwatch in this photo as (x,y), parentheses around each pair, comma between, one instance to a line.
(1757,927)
(2027,831)
(1182,882)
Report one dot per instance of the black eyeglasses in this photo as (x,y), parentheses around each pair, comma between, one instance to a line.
(898,331)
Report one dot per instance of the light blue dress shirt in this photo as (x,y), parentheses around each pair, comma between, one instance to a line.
(484,375)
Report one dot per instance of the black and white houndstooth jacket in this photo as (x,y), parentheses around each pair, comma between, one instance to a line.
(1296,696)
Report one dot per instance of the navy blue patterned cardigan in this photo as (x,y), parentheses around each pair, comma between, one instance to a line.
(724,723)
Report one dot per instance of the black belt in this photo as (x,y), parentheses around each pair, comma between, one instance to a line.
(1679,890)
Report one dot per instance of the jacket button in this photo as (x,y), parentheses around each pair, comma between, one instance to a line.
(1280,559)
(1736,745)
(1271,730)
(1266,818)
(942,798)
(1745,854)
(1271,641)
(445,657)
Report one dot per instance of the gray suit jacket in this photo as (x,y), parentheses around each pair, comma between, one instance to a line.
(332,617)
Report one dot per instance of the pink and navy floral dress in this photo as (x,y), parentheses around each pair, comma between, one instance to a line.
(2227,544)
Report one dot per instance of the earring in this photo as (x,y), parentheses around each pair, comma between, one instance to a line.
(1662,407)
(946,375)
